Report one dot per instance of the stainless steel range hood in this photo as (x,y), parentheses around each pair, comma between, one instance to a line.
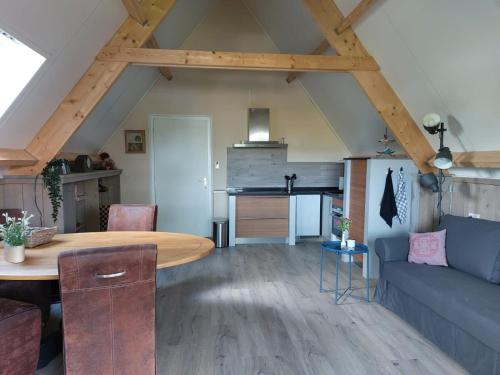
(258,131)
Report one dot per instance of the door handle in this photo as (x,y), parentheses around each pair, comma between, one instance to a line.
(204,181)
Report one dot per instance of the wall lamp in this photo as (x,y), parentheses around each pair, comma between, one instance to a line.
(433,125)
(443,160)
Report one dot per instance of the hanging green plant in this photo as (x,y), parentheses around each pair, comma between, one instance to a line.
(51,176)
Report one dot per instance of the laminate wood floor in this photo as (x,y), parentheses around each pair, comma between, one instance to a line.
(256,309)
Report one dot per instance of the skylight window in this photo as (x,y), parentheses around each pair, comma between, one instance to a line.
(18,64)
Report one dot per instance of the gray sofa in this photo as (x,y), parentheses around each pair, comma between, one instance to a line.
(456,307)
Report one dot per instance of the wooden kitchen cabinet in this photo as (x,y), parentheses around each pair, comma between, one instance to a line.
(262,216)
(82,199)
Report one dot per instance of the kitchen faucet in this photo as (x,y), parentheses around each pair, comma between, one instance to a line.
(289,182)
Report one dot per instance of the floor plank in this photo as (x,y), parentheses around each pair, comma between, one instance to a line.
(256,309)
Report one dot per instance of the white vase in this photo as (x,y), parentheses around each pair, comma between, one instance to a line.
(13,254)
(343,243)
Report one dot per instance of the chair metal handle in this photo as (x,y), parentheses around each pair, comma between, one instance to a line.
(109,275)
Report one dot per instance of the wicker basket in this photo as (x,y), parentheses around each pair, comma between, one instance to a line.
(39,236)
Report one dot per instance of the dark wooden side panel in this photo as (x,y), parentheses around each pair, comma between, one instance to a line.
(357,200)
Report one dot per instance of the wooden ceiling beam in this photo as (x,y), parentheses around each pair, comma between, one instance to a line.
(89,90)
(135,10)
(318,51)
(237,60)
(474,159)
(165,71)
(14,157)
(346,23)
(355,14)
(373,83)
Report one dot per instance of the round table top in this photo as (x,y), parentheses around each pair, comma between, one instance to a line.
(334,246)
(41,262)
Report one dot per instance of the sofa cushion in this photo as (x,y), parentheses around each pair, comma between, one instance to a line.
(473,246)
(428,248)
(467,301)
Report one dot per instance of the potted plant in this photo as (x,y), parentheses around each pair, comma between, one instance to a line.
(345,224)
(14,233)
(51,176)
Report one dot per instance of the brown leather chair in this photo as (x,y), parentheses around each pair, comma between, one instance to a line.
(133,217)
(36,292)
(108,309)
(20,330)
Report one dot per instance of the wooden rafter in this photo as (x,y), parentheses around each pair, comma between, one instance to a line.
(376,87)
(89,90)
(475,159)
(318,51)
(135,10)
(165,71)
(346,23)
(353,16)
(10,157)
(237,60)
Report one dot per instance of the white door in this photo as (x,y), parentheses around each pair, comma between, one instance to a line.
(181,162)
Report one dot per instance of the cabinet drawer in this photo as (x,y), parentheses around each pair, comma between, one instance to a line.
(261,207)
(262,228)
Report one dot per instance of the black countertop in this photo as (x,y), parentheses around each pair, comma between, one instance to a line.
(282,191)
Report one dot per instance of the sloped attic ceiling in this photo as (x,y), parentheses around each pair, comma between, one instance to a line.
(438,55)
(68,33)
(136,81)
(441,56)
(337,95)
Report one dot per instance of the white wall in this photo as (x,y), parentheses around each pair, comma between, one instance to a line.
(225,97)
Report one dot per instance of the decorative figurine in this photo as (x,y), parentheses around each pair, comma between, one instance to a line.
(386,141)
(106,162)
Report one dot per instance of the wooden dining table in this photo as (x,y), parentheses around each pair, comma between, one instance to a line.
(41,262)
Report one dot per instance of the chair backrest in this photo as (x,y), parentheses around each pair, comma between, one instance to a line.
(12,212)
(108,309)
(133,217)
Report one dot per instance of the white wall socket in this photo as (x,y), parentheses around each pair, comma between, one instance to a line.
(474,216)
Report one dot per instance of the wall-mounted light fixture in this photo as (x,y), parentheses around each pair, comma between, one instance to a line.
(433,125)
(443,160)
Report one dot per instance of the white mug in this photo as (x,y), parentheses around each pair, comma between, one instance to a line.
(351,244)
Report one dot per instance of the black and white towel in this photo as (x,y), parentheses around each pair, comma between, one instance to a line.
(401,198)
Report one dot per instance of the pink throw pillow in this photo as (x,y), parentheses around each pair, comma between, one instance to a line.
(428,248)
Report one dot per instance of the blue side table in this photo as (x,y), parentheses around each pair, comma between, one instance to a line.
(334,247)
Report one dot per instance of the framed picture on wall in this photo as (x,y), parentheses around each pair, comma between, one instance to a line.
(135,141)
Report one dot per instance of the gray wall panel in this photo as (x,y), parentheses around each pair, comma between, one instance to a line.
(266,167)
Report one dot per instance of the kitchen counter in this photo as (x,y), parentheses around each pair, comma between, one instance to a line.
(269,215)
(270,191)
